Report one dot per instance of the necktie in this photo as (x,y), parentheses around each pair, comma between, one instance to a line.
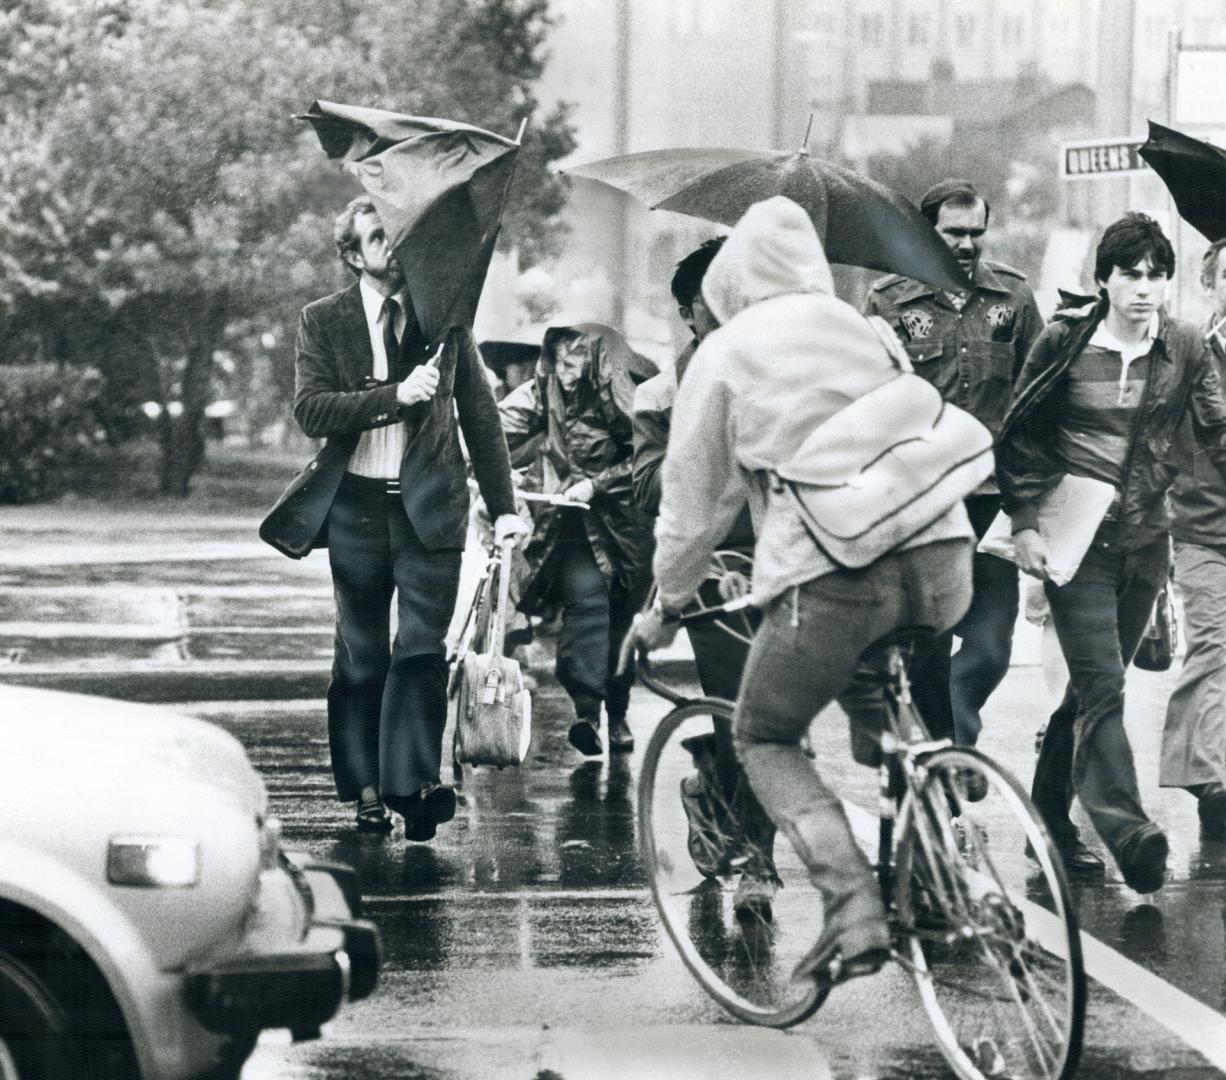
(391,347)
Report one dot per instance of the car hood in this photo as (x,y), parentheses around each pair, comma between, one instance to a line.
(64,733)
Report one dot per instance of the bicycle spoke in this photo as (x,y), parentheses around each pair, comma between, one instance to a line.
(1000,1002)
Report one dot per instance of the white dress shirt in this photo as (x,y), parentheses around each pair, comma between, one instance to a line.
(379,450)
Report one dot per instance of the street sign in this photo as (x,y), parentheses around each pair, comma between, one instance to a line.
(1200,84)
(1102,159)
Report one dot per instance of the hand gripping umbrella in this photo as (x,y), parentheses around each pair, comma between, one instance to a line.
(439,187)
(1195,173)
(860,222)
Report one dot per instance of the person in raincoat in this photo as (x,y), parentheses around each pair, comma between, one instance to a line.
(592,564)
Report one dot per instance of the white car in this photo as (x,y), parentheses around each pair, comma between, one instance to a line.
(151,925)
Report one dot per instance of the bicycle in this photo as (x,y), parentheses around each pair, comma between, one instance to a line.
(999,976)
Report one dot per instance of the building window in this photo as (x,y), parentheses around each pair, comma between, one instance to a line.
(917,33)
(966,29)
(872,29)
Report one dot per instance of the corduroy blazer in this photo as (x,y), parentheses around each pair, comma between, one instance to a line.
(336,398)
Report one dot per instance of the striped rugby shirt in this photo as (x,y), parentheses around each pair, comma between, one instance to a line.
(1105,386)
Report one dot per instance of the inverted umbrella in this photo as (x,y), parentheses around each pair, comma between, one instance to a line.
(439,187)
(1195,173)
(860,222)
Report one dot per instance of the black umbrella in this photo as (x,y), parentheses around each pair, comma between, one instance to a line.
(860,222)
(1195,173)
(439,187)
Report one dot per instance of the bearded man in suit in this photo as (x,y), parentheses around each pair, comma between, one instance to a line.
(388,496)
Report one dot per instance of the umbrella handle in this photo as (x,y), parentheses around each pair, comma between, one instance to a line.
(434,360)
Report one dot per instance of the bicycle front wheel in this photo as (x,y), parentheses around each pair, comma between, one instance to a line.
(992,938)
(702,837)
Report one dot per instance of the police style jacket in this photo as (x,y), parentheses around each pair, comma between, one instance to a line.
(337,399)
(1183,390)
(972,356)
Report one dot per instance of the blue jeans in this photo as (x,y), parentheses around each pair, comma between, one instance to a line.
(816,643)
(950,692)
(387,704)
(1099,617)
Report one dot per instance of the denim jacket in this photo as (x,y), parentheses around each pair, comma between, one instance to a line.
(972,356)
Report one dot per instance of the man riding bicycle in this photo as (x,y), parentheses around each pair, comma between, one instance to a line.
(787,356)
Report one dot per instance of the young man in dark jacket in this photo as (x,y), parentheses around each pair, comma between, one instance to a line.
(719,656)
(1194,742)
(1102,395)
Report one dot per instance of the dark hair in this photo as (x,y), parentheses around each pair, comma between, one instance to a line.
(1126,242)
(1208,262)
(343,233)
(953,193)
(687,280)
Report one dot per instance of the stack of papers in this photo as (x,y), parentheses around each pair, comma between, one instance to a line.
(1069,516)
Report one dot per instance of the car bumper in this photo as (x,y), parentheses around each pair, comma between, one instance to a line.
(300,988)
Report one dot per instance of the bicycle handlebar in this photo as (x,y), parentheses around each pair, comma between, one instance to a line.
(643,658)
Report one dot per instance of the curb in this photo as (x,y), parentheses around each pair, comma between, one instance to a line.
(172,683)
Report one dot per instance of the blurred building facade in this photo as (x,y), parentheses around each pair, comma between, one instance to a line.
(876,75)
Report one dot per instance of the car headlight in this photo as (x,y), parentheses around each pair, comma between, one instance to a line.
(153,861)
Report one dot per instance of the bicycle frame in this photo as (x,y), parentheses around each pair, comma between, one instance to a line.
(903,744)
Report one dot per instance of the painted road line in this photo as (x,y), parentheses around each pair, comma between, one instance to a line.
(510,894)
(1196,1024)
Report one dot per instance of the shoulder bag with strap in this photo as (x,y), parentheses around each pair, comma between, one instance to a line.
(494,717)
(885,466)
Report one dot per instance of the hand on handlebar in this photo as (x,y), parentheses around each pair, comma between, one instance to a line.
(650,630)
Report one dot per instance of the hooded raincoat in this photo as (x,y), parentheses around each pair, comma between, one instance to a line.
(585,435)
(787,356)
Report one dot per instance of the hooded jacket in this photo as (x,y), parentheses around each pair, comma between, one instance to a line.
(787,355)
(585,435)
(1183,392)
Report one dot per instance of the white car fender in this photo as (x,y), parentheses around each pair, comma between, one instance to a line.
(101,929)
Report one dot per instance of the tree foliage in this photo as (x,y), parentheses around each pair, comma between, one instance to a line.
(159,203)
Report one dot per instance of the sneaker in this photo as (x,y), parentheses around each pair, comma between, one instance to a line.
(584,736)
(620,739)
(754,896)
(1142,859)
(704,838)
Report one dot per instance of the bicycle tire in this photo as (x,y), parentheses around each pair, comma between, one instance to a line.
(994,947)
(743,962)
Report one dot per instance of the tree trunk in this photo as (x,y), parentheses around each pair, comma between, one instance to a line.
(183,440)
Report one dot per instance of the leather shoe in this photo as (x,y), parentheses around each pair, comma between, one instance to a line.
(1211,807)
(584,736)
(433,805)
(1142,859)
(1080,863)
(372,816)
(620,739)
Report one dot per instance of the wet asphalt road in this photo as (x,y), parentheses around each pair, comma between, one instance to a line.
(522,942)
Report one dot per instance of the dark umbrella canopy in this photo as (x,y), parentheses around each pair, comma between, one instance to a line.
(860,222)
(1195,173)
(439,187)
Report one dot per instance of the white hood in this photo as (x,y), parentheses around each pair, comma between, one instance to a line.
(773,250)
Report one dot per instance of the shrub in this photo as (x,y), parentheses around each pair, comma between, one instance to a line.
(50,421)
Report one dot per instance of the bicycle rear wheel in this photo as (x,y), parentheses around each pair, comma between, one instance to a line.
(695,849)
(991,933)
